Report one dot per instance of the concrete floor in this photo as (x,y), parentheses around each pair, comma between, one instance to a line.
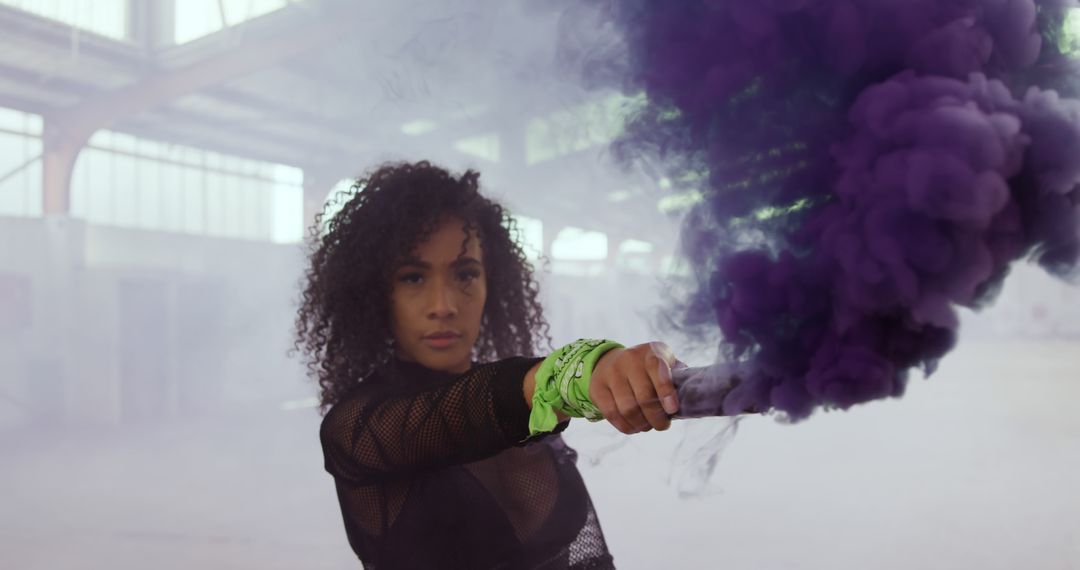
(975,468)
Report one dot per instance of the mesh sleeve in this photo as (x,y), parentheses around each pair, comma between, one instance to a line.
(394,429)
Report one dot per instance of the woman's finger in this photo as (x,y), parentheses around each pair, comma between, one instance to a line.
(627,403)
(645,392)
(605,402)
(661,377)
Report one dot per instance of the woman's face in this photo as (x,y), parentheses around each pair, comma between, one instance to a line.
(437,300)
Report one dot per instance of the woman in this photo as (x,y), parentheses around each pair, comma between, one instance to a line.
(418,318)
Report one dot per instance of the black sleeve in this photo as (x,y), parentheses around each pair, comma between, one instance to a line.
(391,429)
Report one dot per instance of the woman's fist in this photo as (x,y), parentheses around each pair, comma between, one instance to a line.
(632,387)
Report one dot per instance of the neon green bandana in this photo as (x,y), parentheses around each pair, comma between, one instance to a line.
(562,382)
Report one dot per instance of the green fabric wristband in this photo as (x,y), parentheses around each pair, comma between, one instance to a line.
(562,383)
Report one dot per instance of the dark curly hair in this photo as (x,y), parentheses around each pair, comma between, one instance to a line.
(343,323)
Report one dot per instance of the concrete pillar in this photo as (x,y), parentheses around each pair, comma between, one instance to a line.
(612,260)
(151,24)
(59,154)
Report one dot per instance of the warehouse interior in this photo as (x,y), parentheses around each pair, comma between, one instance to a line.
(138,142)
(161,165)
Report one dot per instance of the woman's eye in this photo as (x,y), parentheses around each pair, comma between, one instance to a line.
(411,278)
(468,275)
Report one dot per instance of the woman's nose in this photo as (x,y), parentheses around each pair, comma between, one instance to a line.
(442,303)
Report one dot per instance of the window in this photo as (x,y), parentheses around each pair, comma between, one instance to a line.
(20,163)
(578,128)
(125,181)
(105,17)
(197,18)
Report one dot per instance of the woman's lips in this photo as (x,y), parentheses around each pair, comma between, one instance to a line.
(441,340)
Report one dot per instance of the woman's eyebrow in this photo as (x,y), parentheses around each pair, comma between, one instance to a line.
(420,264)
(414,262)
(465,261)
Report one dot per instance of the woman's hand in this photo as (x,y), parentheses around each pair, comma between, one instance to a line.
(632,387)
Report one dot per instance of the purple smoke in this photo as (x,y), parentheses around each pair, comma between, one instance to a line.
(867,166)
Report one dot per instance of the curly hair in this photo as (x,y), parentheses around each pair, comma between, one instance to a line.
(343,322)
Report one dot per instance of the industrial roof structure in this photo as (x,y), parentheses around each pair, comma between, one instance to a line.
(332,87)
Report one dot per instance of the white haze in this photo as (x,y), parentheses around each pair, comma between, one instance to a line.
(151,418)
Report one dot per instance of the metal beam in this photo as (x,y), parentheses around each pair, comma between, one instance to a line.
(21,26)
(69,129)
(242,141)
(297,114)
(101,111)
(23,104)
(77,89)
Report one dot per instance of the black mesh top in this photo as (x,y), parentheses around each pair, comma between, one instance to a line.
(436,470)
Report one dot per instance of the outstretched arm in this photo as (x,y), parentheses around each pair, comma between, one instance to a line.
(394,429)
